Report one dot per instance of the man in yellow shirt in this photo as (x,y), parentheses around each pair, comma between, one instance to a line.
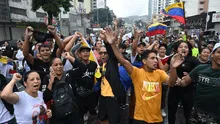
(109,104)
(147,81)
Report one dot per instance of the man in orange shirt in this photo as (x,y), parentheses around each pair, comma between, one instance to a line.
(147,81)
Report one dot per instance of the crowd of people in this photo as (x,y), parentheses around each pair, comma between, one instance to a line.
(56,81)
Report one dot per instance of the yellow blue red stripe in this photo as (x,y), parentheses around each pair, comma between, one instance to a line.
(176,11)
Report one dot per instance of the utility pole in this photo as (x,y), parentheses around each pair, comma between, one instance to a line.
(207,16)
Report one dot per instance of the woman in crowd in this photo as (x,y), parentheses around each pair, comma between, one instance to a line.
(178,94)
(28,105)
(162,61)
(53,80)
(207,102)
(204,56)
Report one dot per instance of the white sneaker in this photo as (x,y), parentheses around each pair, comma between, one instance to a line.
(163,113)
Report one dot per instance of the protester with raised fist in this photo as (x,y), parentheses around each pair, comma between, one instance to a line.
(27,103)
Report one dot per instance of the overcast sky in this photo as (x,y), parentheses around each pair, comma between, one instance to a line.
(124,8)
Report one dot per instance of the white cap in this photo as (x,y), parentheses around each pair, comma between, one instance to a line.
(217,45)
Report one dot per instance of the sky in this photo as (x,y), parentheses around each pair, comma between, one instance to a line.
(124,8)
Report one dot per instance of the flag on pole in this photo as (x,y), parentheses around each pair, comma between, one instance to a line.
(156,28)
(176,11)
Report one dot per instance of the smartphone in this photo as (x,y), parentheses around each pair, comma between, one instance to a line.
(52,71)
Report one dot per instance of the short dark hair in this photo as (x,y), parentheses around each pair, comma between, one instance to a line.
(163,45)
(27,74)
(146,53)
(97,42)
(176,45)
(54,59)
(122,46)
(200,51)
(43,45)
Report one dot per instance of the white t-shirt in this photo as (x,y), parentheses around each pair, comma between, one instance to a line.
(27,109)
(67,66)
(4,69)
(20,58)
(133,57)
(4,113)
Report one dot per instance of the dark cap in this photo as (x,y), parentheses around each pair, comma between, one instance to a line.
(84,47)
(141,43)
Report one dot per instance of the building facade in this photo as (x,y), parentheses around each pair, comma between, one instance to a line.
(14,17)
(155,7)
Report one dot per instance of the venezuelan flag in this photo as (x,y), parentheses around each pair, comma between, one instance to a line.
(156,28)
(176,11)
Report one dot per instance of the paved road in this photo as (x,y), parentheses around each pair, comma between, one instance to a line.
(179,117)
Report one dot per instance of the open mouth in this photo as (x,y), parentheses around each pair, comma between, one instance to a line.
(36,86)
(183,52)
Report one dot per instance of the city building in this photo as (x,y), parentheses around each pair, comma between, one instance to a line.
(169,2)
(150,10)
(94,3)
(155,7)
(203,6)
(76,19)
(14,22)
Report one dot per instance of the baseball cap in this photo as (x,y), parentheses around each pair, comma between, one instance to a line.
(217,45)
(141,43)
(84,47)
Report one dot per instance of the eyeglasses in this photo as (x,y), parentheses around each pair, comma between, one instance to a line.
(102,53)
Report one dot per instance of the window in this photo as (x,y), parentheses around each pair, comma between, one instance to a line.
(202,2)
(3,2)
(18,11)
(40,14)
(64,12)
(16,0)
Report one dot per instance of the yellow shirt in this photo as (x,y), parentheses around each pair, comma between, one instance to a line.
(106,89)
(195,52)
(148,90)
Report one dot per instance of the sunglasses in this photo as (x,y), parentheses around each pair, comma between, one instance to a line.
(102,53)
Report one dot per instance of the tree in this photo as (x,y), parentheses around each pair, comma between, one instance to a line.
(102,16)
(52,7)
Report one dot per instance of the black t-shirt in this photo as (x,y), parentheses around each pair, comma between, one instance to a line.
(208,88)
(188,65)
(87,79)
(84,84)
(41,67)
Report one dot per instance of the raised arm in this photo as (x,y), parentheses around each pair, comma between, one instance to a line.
(28,35)
(108,36)
(7,93)
(52,30)
(152,45)
(71,42)
(176,61)
(135,41)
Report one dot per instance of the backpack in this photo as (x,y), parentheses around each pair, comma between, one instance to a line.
(63,98)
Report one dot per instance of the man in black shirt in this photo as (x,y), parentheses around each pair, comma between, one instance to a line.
(40,65)
(86,97)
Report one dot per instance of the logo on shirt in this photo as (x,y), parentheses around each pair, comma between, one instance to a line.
(87,74)
(150,87)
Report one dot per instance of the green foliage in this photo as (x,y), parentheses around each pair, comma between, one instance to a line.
(52,7)
(104,17)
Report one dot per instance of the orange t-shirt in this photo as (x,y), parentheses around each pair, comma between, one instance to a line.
(148,90)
